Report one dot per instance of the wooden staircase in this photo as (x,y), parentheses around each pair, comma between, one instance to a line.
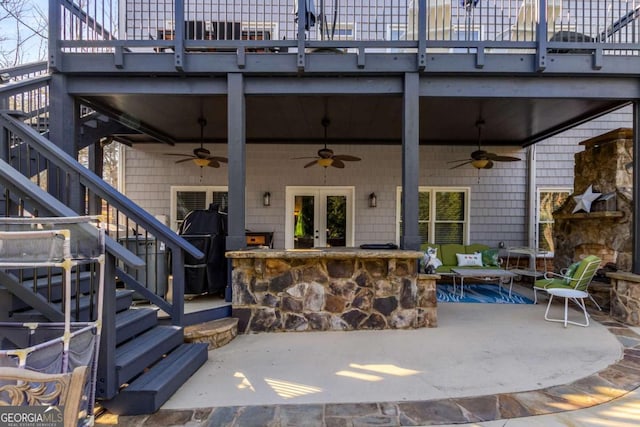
(151,360)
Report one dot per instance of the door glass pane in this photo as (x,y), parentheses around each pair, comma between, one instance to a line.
(303,222)
(336,221)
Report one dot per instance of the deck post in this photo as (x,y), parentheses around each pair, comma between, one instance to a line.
(410,238)
(63,125)
(635,251)
(237,167)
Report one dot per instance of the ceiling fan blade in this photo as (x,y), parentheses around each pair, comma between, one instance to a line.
(497,158)
(461,164)
(188,159)
(337,163)
(178,154)
(213,163)
(218,159)
(311,163)
(459,160)
(489,165)
(307,157)
(346,158)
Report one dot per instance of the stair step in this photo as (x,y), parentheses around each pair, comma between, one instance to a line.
(215,333)
(134,321)
(55,294)
(147,393)
(124,297)
(144,350)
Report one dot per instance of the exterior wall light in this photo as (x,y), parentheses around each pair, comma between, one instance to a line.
(266,199)
(373,200)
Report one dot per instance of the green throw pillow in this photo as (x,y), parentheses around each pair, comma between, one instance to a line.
(571,270)
(490,258)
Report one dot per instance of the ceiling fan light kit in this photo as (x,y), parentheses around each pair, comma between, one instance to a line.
(201,162)
(480,164)
(325,157)
(201,156)
(325,162)
(481,159)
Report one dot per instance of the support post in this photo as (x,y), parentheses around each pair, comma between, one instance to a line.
(635,254)
(237,167)
(410,238)
(63,124)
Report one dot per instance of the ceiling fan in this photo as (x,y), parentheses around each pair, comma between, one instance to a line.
(201,156)
(481,159)
(326,157)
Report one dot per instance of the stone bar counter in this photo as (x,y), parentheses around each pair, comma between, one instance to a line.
(330,289)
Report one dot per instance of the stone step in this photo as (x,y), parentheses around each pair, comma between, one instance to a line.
(215,333)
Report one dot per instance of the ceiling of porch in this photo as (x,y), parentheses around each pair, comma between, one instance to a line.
(354,119)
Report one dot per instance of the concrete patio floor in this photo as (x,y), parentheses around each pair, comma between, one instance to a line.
(490,364)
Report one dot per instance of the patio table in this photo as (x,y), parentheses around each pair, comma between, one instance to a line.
(485,275)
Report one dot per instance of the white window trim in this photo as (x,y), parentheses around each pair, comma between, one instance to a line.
(539,190)
(432,209)
(207,189)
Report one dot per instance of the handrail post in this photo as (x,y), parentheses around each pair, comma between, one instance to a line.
(178,35)
(302,24)
(177,286)
(422,34)
(107,382)
(55,25)
(541,36)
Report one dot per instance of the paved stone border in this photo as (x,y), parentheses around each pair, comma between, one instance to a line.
(610,383)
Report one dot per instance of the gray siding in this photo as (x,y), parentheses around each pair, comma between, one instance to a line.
(498,196)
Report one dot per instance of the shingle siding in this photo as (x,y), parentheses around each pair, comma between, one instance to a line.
(498,196)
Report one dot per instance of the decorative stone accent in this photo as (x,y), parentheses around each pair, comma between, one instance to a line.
(602,232)
(625,297)
(216,333)
(331,289)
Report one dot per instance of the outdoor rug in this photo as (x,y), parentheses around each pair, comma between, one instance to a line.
(480,293)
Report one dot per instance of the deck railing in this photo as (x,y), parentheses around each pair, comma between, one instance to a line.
(449,26)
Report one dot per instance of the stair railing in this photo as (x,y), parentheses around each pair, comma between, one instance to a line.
(126,221)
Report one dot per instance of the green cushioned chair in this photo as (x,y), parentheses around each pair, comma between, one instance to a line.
(579,280)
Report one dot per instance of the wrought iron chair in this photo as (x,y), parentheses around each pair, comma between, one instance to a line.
(25,387)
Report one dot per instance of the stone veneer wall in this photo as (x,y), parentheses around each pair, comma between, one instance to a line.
(344,292)
(605,231)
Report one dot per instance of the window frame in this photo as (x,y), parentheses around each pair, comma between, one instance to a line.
(432,210)
(207,189)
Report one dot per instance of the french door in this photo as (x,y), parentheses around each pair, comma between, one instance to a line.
(319,217)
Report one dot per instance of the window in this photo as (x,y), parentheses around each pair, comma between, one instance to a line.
(259,30)
(465,34)
(186,199)
(549,199)
(443,214)
(396,32)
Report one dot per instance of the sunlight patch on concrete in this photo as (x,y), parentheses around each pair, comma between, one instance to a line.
(245,383)
(385,369)
(289,390)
